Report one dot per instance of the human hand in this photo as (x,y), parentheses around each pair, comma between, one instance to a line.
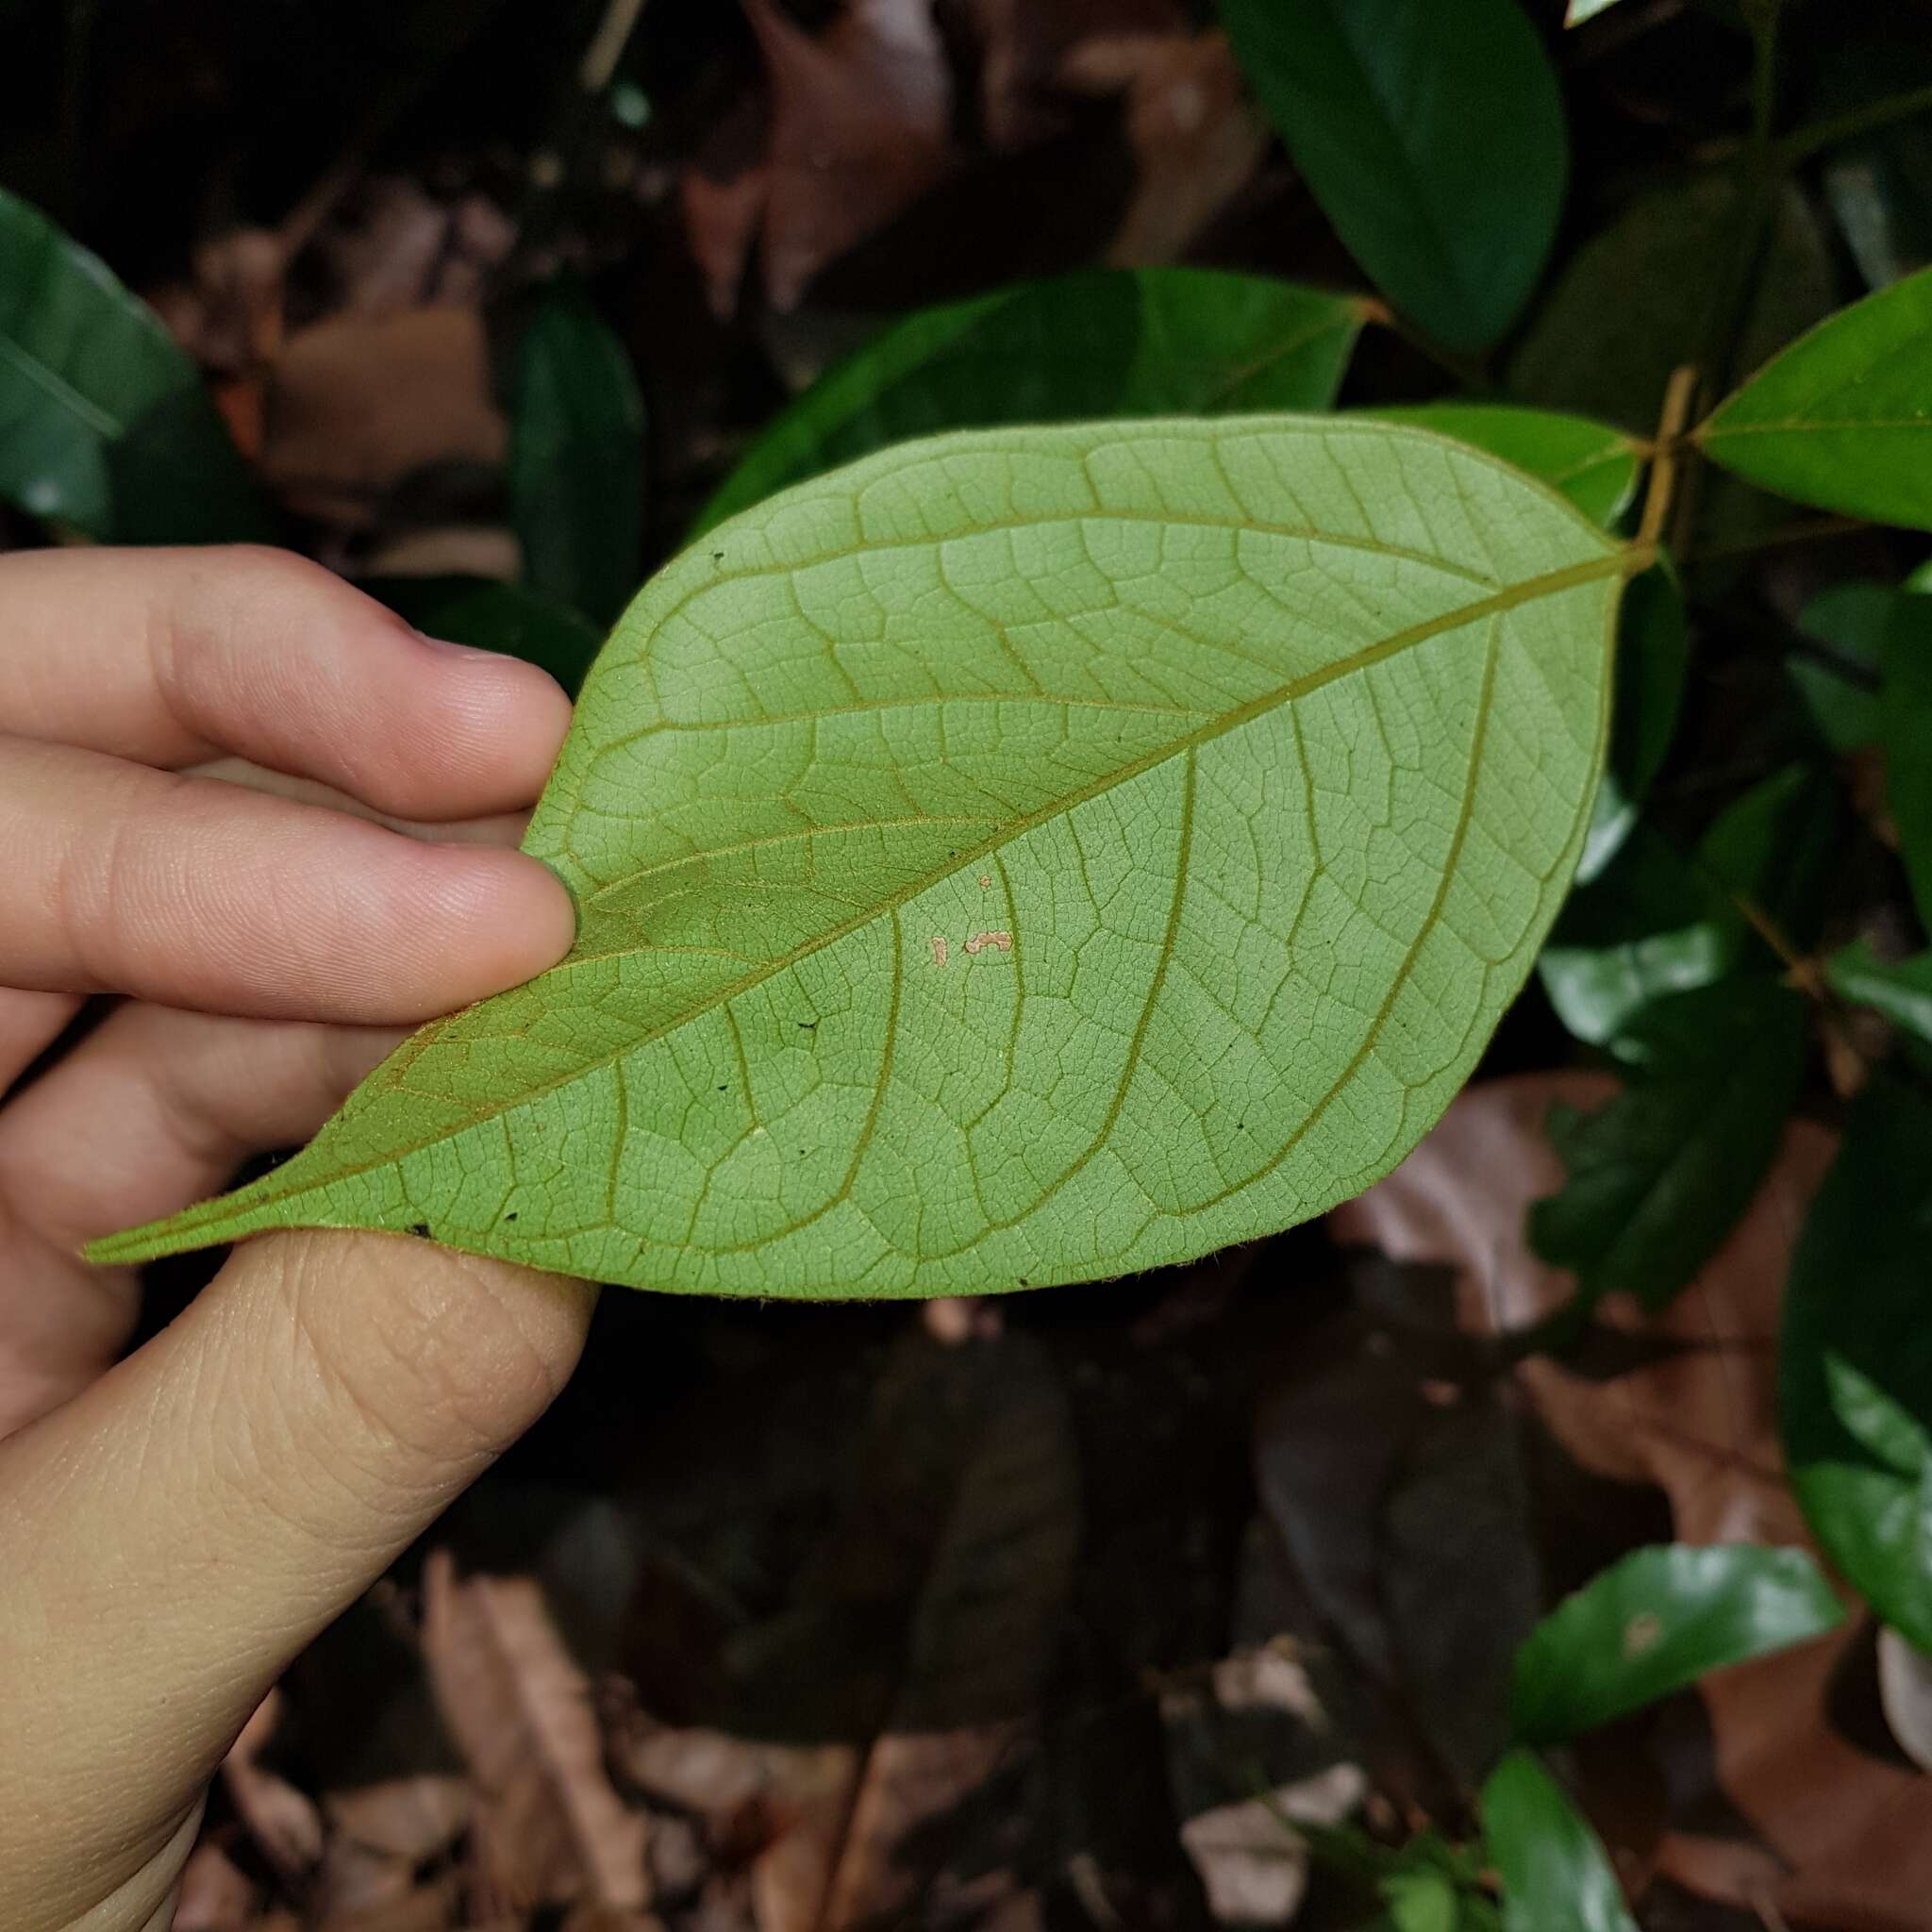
(175,1526)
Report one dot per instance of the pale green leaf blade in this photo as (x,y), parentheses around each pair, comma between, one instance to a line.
(1557,1876)
(1843,419)
(1898,988)
(1854,1359)
(1021,857)
(104,422)
(1655,1623)
(1596,467)
(1154,342)
(1432,137)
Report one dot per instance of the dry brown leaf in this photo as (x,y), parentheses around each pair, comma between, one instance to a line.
(436,1907)
(216,1897)
(285,1825)
(911,1781)
(1847,1837)
(391,247)
(1254,1865)
(356,404)
(1024,45)
(413,1818)
(859,129)
(1196,135)
(551,1829)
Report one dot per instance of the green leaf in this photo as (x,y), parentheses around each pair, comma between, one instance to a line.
(1840,687)
(1904,729)
(495,616)
(1658,1176)
(1431,136)
(1655,1623)
(1843,419)
(1652,653)
(1901,989)
(1653,924)
(1580,11)
(576,458)
(104,422)
(1022,856)
(1557,1876)
(1656,923)
(1630,305)
(1420,1901)
(1855,1362)
(1151,341)
(1596,467)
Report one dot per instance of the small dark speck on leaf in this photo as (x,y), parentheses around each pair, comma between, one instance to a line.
(717,556)
(420,1229)
(1023,1282)
(511,1215)
(809,1025)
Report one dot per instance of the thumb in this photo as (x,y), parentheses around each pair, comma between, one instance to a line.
(180,1530)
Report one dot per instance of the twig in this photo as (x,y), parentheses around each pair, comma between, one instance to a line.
(1667,451)
(608,45)
(1802,143)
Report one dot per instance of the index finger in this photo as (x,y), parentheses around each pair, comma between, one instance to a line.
(171,656)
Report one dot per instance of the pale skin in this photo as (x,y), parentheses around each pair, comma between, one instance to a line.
(174,1524)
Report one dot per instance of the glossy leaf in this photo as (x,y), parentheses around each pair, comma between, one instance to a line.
(1557,1876)
(104,424)
(1659,1176)
(1596,467)
(1153,342)
(495,616)
(1655,1623)
(1839,684)
(1658,922)
(1653,924)
(1855,1362)
(576,457)
(1904,729)
(1431,136)
(1652,653)
(1901,989)
(1843,419)
(1022,856)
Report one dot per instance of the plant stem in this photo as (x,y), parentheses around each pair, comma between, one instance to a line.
(1803,142)
(1667,451)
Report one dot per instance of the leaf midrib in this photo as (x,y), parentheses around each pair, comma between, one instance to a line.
(240,1210)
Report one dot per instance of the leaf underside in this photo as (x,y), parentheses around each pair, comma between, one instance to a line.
(1022,856)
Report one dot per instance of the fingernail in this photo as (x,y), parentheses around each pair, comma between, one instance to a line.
(456,650)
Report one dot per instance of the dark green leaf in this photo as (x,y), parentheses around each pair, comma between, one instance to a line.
(1655,922)
(1657,1622)
(1877,184)
(1557,1876)
(1904,729)
(1631,304)
(104,422)
(1653,652)
(1840,686)
(1593,465)
(1854,1368)
(1901,989)
(1433,138)
(1658,1176)
(495,617)
(1777,844)
(1103,343)
(576,458)
(1843,419)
